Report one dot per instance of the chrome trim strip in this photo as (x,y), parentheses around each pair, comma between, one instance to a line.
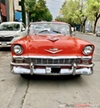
(52,57)
(19,64)
(25,64)
(53,52)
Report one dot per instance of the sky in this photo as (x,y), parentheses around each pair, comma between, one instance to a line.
(54,6)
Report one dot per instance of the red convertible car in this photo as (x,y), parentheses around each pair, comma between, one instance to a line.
(50,49)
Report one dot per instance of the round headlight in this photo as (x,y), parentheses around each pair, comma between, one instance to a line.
(88,50)
(17,49)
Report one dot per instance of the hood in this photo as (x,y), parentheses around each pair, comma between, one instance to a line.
(8,33)
(55,45)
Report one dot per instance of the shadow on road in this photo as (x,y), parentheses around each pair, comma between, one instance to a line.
(44,77)
(5,49)
(55,80)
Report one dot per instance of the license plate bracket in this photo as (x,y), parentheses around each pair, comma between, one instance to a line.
(4,44)
(54,69)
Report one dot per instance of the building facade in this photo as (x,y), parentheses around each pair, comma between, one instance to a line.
(8,9)
(3,15)
(17,8)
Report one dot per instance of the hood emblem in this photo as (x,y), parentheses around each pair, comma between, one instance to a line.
(53,39)
(53,50)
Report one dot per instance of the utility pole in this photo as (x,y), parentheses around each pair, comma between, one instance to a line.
(11,10)
(23,11)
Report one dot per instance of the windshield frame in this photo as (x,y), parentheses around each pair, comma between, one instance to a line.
(58,28)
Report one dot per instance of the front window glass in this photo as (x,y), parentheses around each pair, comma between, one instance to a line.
(98,28)
(49,28)
(9,27)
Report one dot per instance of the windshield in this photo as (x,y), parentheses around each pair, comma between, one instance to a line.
(9,27)
(49,28)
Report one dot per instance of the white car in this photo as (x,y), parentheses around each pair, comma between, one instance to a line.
(98,31)
(11,31)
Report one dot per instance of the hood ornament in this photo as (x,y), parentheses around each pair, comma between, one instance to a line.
(53,50)
(53,39)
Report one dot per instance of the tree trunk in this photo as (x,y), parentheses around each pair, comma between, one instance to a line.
(84,24)
(95,23)
(81,27)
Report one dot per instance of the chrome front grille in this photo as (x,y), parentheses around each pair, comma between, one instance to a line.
(53,61)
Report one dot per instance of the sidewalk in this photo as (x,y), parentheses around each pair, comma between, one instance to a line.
(87,33)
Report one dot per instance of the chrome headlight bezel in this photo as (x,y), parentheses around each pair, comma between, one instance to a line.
(87,50)
(17,49)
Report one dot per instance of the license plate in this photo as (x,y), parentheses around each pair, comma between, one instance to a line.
(54,69)
(4,44)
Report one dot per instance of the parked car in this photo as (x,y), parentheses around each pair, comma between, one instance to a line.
(98,31)
(54,52)
(11,31)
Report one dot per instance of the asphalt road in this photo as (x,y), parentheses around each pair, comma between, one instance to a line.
(47,91)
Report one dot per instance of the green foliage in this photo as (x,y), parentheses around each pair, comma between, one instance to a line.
(38,10)
(93,9)
(77,12)
(47,16)
(29,5)
(71,12)
(59,18)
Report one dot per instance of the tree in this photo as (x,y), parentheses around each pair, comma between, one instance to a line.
(41,11)
(93,11)
(47,16)
(71,12)
(29,6)
(74,12)
(59,18)
(38,10)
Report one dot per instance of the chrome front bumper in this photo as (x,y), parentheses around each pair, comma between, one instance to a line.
(84,70)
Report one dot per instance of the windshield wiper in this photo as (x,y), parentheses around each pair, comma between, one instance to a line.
(43,31)
(56,31)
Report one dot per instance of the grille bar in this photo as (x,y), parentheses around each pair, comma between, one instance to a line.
(3,39)
(53,61)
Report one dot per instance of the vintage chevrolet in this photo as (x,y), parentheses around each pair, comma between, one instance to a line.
(50,49)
